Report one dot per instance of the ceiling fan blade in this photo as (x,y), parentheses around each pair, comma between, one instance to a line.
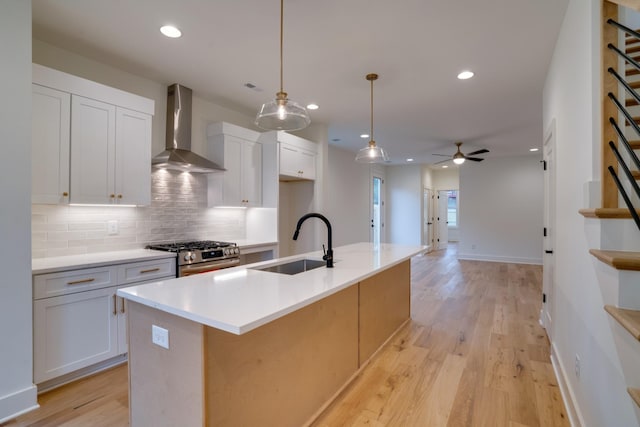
(473,159)
(442,161)
(484,150)
(443,155)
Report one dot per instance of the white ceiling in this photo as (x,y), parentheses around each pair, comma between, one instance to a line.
(416,46)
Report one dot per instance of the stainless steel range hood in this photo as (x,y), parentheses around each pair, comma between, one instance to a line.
(178,155)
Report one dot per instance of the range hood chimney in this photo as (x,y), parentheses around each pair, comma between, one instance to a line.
(178,154)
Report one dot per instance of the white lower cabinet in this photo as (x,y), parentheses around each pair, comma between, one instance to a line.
(85,322)
(74,331)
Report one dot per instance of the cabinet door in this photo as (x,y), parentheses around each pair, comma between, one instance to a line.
(252,173)
(73,331)
(288,160)
(308,164)
(92,151)
(50,125)
(133,157)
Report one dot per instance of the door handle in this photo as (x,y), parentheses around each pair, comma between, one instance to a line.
(548,252)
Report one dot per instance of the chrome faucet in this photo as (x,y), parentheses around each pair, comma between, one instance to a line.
(328,255)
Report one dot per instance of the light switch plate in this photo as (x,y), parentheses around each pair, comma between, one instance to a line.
(160,336)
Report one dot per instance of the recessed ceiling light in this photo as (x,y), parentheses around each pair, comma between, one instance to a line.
(312,107)
(170,31)
(465,75)
(409,160)
(444,166)
(533,149)
(364,135)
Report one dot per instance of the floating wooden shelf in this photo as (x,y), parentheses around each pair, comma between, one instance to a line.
(607,213)
(629,319)
(620,260)
(635,395)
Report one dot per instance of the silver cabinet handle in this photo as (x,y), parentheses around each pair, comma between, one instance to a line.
(122,306)
(151,270)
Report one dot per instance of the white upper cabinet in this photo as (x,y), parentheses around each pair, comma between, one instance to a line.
(297,156)
(109,135)
(234,148)
(296,162)
(92,151)
(133,157)
(50,145)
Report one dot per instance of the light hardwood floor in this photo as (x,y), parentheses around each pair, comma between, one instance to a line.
(473,354)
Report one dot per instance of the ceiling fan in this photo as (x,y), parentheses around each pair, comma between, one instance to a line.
(459,158)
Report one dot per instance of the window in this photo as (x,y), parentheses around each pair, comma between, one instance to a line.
(452,208)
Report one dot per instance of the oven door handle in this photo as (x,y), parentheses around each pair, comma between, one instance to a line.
(204,267)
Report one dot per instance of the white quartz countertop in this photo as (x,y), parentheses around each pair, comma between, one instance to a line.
(98,259)
(240,299)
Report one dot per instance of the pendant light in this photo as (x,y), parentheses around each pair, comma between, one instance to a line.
(372,153)
(282,113)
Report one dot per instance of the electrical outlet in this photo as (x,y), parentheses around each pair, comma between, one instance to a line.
(160,336)
(577,366)
(112,227)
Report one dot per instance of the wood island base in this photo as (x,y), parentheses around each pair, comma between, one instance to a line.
(280,374)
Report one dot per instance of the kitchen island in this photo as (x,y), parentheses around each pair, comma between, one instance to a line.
(253,347)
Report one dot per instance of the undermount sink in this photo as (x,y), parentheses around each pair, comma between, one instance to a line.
(293,267)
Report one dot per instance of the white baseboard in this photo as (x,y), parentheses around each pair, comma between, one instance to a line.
(496,258)
(18,403)
(568,396)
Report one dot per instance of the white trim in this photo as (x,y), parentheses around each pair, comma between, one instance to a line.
(498,258)
(568,396)
(75,85)
(18,403)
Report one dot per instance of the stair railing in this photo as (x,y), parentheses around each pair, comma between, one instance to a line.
(629,118)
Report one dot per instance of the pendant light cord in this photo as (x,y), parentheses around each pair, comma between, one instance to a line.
(372,110)
(281,42)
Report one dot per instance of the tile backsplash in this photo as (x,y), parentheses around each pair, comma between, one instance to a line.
(178,211)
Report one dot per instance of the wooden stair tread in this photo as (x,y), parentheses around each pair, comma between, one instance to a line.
(620,260)
(632,71)
(635,85)
(629,319)
(635,144)
(635,395)
(633,48)
(607,213)
(636,174)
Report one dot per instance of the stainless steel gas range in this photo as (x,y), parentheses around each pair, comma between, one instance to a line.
(201,256)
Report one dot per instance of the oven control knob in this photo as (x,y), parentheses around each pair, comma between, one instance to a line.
(193,257)
(236,250)
(187,257)
(226,252)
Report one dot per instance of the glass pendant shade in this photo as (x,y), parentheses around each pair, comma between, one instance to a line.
(282,114)
(372,154)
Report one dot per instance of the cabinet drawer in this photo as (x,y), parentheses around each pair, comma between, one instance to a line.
(146,270)
(68,282)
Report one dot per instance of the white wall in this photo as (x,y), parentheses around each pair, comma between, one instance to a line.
(581,326)
(501,210)
(17,392)
(348,197)
(404,204)
(446,179)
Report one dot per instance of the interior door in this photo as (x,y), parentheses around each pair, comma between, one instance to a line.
(428,209)
(548,263)
(377,207)
(443,230)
